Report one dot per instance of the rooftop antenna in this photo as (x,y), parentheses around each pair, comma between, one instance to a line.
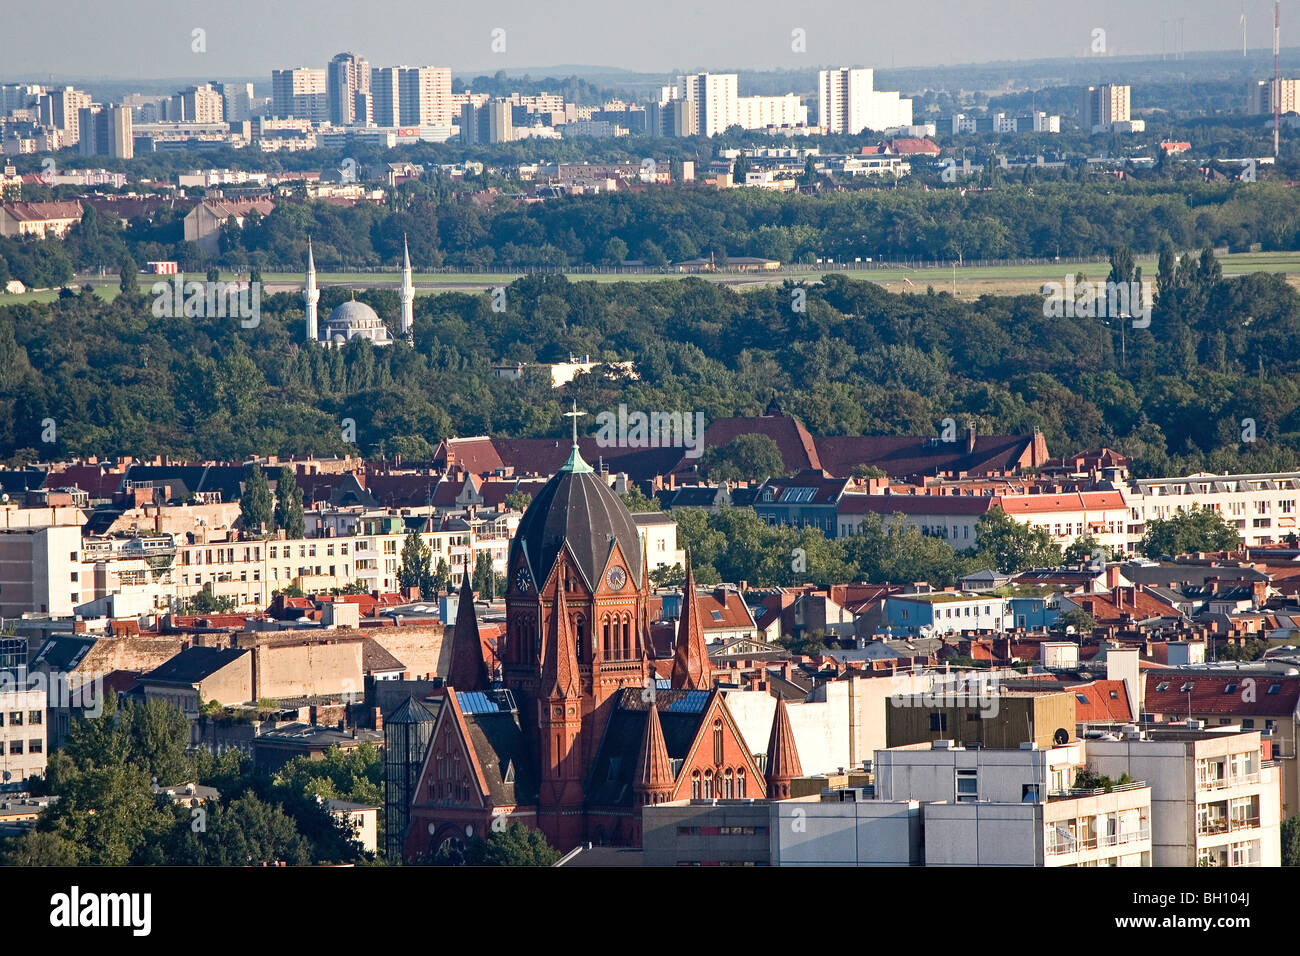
(1243,29)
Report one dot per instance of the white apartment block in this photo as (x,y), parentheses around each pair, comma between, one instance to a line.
(201,104)
(1262,507)
(424,96)
(23,740)
(1262,95)
(760,112)
(1015,807)
(848,103)
(713,99)
(301,93)
(61,109)
(1104,106)
(1214,801)
(41,570)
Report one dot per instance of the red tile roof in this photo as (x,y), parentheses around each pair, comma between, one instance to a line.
(1105,701)
(1229,695)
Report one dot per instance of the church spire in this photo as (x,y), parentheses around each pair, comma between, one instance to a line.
(465,667)
(691,667)
(654,769)
(782,755)
(310,296)
(560,654)
(575,464)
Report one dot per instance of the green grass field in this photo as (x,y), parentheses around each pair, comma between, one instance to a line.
(971,281)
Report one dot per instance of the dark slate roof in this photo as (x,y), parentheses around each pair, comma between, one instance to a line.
(227,479)
(612,773)
(411,712)
(499,745)
(374,657)
(1173,573)
(63,652)
(101,519)
(907,455)
(578,507)
(193,665)
(19,481)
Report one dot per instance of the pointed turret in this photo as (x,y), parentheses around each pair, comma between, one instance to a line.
(465,668)
(310,296)
(691,667)
(782,755)
(408,293)
(560,653)
(653,780)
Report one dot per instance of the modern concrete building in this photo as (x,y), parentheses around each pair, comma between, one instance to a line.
(62,110)
(714,98)
(346,76)
(847,103)
(1104,106)
(106,131)
(1215,799)
(300,93)
(1262,94)
(22,732)
(41,570)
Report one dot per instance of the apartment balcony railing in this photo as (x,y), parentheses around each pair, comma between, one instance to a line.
(1063,845)
(1223,783)
(1212,827)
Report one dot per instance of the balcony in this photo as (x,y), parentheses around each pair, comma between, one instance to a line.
(1223,783)
(1217,826)
(1062,844)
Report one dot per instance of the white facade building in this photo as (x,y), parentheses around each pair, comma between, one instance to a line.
(848,103)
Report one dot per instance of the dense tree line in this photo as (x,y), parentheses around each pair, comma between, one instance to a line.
(444,226)
(1211,383)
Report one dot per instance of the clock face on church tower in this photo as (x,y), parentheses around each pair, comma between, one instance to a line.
(616,577)
(523,580)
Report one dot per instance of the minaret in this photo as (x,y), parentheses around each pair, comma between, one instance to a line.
(310,296)
(408,294)
(465,668)
(782,755)
(691,667)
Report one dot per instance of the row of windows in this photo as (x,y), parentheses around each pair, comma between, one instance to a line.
(722,831)
(34,746)
(34,717)
(728,785)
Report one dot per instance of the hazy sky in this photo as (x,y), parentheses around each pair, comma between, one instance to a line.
(152,38)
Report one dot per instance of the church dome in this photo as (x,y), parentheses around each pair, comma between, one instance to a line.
(579,506)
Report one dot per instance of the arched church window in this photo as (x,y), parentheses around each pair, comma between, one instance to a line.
(728,784)
(740,783)
(717,742)
(695,785)
(627,638)
(708,784)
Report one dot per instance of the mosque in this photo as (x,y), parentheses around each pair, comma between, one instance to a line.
(353,319)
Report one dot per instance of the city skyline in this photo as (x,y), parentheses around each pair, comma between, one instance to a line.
(670,38)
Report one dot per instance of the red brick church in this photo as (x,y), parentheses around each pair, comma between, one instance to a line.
(578,735)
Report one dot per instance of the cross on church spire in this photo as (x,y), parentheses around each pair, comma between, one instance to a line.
(575,463)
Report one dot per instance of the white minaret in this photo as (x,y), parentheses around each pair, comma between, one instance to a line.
(310,296)
(408,293)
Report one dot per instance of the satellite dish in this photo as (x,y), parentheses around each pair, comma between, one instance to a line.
(1069,629)
(1061,737)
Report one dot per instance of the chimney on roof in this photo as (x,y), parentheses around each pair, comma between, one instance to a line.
(970,438)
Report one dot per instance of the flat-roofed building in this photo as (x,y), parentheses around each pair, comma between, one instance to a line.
(1215,799)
